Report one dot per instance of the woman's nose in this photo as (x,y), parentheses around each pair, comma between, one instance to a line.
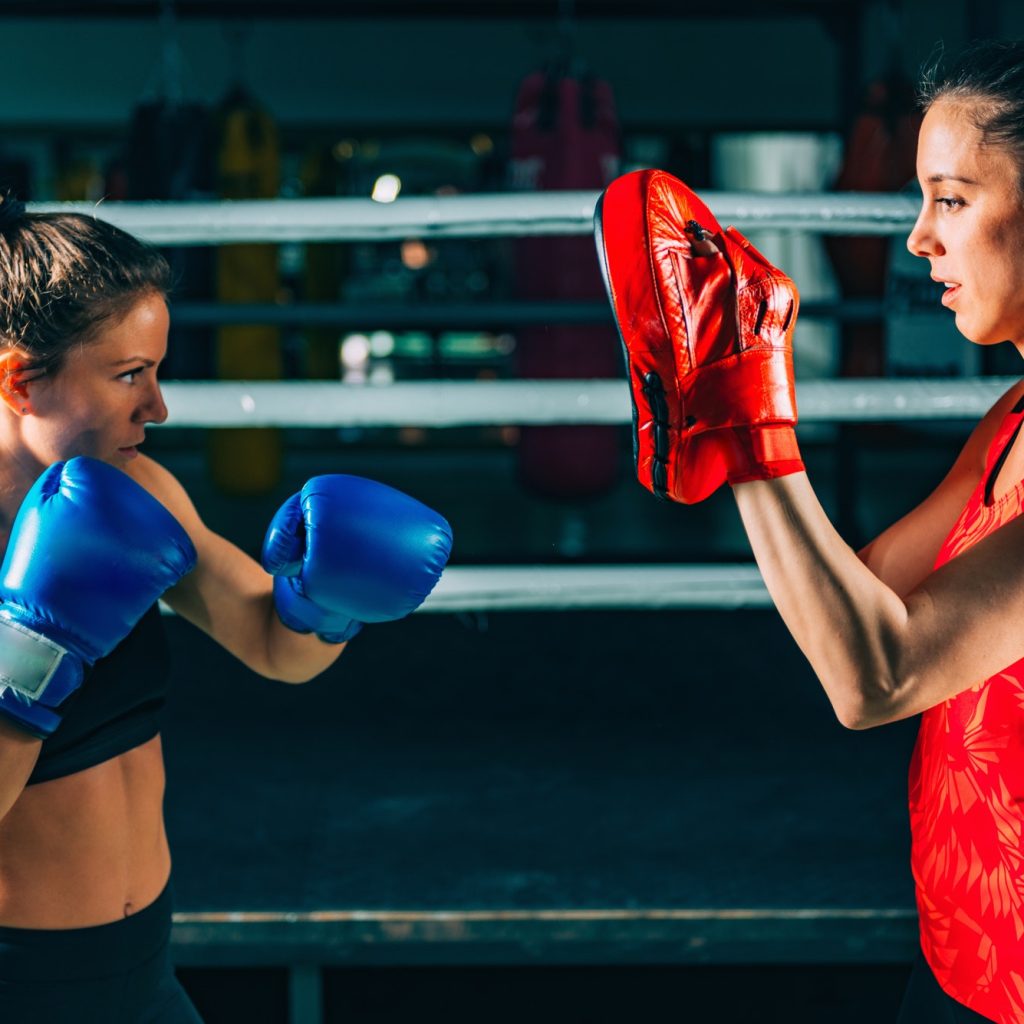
(153,410)
(922,241)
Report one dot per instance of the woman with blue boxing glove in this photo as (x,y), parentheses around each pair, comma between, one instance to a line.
(93,534)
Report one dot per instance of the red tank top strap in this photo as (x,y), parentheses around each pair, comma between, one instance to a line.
(999,447)
(978,515)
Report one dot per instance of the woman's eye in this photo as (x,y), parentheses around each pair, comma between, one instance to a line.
(949,202)
(130,375)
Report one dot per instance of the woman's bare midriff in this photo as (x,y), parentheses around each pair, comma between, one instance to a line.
(86,849)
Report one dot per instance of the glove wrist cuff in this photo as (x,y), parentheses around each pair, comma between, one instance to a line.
(763,453)
(301,615)
(341,636)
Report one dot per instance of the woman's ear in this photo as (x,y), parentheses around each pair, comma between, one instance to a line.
(15,376)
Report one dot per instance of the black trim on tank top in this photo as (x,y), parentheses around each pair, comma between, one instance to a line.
(990,483)
(117,708)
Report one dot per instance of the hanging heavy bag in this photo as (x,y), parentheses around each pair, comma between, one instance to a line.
(565,136)
(879,157)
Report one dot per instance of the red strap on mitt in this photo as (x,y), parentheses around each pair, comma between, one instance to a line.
(707,340)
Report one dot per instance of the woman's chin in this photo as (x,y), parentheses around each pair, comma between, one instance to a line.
(975,333)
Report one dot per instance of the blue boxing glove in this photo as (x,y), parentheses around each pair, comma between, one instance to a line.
(90,550)
(344,551)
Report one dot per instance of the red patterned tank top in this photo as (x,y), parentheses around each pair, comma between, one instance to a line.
(967,803)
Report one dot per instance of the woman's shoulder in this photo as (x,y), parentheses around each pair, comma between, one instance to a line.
(971,463)
(977,447)
(1011,396)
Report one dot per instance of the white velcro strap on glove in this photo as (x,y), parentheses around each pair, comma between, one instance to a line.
(28,660)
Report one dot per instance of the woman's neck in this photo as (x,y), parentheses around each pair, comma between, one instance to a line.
(19,468)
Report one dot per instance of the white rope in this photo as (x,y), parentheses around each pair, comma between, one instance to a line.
(870,400)
(473,216)
(564,588)
(477,403)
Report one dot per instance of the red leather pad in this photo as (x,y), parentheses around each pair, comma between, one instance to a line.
(706,340)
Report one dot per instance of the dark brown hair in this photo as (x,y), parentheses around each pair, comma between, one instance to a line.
(987,79)
(63,275)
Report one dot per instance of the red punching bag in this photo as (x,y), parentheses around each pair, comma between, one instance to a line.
(565,136)
(880,156)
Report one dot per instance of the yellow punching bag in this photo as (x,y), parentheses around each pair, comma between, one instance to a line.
(247,461)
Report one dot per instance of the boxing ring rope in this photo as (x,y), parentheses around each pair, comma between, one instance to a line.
(458,403)
(445,403)
(622,587)
(499,215)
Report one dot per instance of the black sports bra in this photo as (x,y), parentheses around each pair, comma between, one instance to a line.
(118,706)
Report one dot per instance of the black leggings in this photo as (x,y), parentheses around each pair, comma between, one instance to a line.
(116,973)
(924,1002)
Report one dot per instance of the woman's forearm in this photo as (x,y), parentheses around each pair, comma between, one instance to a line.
(847,622)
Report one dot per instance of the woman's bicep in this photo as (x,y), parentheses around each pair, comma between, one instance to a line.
(904,554)
(228,596)
(963,622)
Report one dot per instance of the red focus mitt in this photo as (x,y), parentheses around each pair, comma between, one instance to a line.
(707,340)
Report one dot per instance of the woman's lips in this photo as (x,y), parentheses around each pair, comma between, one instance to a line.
(951,292)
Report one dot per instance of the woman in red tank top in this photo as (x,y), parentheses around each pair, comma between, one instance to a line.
(927,619)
